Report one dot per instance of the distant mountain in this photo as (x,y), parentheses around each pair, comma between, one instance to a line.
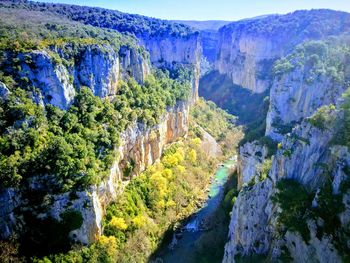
(204,25)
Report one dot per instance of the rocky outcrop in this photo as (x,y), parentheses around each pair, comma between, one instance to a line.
(248,231)
(98,69)
(248,48)
(307,82)
(291,100)
(208,143)
(303,156)
(134,63)
(251,156)
(4,91)
(171,51)
(50,77)
(58,71)
(142,146)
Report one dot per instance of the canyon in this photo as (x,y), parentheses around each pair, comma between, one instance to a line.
(284,77)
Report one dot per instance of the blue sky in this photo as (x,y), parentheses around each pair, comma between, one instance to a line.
(210,9)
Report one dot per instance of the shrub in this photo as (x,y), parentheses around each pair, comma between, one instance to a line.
(118,223)
(265,168)
(322,117)
(295,201)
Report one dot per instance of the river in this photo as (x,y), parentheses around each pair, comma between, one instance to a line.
(181,248)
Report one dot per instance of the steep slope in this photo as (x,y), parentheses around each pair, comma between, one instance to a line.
(248,48)
(294,206)
(314,75)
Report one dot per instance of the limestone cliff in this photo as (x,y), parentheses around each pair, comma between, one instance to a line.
(303,156)
(140,146)
(251,156)
(170,51)
(304,81)
(57,71)
(306,115)
(248,48)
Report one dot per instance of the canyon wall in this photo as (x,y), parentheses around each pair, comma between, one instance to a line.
(307,119)
(140,147)
(254,227)
(57,72)
(248,48)
(172,51)
(304,81)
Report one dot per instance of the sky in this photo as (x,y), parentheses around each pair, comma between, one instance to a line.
(230,10)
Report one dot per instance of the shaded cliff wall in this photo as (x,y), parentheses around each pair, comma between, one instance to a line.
(306,115)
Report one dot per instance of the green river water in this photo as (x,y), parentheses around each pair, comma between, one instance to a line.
(181,248)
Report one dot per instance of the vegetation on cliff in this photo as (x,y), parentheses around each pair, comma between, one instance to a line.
(328,58)
(316,23)
(299,206)
(150,204)
(77,146)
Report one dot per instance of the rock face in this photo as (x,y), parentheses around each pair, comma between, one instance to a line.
(306,85)
(248,48)
(142,146)
(4,91)
(248,232)
(242,57)
(303,157)
(291,100)
(56,72)
(99,70)
(251,156)
(305,116)
(171,51)
(209,145)
(9,200)
(51,78)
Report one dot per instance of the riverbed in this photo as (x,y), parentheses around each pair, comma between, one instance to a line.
(181,248)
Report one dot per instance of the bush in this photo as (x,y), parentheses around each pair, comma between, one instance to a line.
(265,168)
(295,202)
(322,117)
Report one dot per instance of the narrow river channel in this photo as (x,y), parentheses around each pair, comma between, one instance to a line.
(181,248)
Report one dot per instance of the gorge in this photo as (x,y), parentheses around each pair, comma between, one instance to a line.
(117,128)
